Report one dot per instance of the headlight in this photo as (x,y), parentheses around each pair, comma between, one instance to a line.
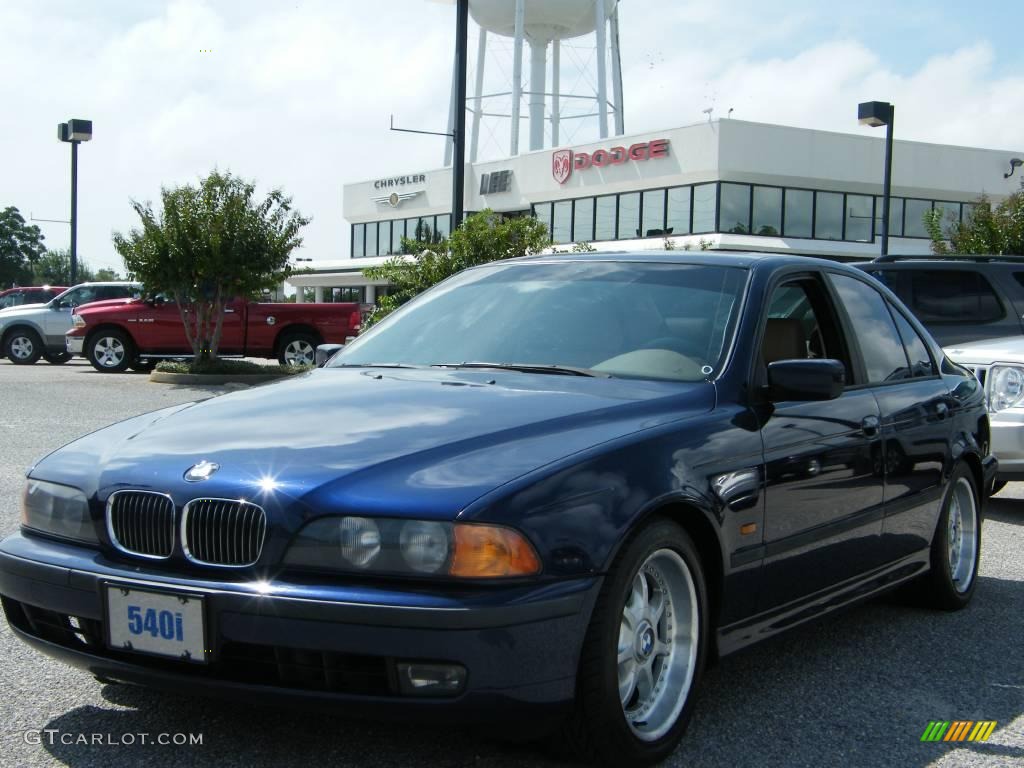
(78,321)
(57,509)
(1004,386)
(413,548)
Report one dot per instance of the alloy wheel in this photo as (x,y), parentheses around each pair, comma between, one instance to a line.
(962,535)
(109,352)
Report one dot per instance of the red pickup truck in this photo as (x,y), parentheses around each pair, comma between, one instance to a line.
(115,335)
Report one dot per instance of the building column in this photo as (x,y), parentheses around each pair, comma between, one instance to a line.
(318,294)
(300,294)
(371,294)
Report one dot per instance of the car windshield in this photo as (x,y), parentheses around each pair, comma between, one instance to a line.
(602,318)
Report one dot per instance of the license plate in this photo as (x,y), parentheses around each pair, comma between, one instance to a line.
(159,623)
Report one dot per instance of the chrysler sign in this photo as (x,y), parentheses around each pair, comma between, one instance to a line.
(564,161)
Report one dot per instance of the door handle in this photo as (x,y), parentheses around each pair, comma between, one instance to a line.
(870,425)
(228,311)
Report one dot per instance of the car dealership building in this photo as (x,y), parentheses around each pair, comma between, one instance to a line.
(719,185)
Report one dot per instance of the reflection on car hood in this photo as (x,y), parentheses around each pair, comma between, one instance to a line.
(411,441)
(1009,349)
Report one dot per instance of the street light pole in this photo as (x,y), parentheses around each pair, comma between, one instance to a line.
(459,160)
(876,113)
(74,212)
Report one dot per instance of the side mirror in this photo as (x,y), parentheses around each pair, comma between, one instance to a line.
(325,352)
(805,380)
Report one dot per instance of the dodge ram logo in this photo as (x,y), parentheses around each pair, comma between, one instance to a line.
(561,165)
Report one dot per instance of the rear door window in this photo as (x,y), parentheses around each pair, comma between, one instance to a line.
(921,363)
(953,296)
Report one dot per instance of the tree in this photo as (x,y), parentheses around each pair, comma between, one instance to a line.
(21,245)
(482,238)
(211,243)
(54,268)
(998,231)
(106,275)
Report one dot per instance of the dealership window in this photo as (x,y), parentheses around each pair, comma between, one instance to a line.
(913,223)
(358,240)
(629,216)
(767,210)
(949,216)
(828,216)
(654,213)
(678,214)
(859,215)
(561,222)
(799,213)
(704,203)
(346,294)
(443,225)
(583,220)
(895,216)
(604,218)
(542,213)
(397,233)
(735,216)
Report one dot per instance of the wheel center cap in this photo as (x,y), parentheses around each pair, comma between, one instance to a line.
(644,644)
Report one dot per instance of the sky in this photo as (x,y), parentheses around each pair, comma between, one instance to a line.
(298,95)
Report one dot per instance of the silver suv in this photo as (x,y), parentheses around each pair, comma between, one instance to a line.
(37,330)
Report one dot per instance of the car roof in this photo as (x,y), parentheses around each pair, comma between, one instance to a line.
(745,259)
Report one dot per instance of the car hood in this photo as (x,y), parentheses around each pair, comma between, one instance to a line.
(404,442)
(22,311)
(1009,349)
(104,304)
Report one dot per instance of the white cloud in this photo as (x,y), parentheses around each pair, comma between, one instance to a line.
(298,95)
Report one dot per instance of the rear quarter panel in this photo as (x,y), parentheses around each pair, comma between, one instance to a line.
(267,322)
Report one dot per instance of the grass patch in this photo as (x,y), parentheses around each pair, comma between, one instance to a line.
(230,368)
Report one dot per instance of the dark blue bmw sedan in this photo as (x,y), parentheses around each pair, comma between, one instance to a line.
(553,487)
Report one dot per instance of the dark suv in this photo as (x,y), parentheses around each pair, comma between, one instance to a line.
(959,299)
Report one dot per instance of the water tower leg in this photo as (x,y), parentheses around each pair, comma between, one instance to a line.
(538,85)
(517,73)
(620,122)
(556,90)
(478,92)
(602,70)
(449,143)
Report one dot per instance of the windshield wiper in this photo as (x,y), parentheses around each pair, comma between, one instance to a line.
(561,370)
(375,365)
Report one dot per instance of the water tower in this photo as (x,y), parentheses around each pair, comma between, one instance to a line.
(543,25)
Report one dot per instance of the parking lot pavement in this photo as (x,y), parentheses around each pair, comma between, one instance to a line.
(857,690)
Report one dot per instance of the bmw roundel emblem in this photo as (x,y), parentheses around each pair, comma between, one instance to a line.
(202,471)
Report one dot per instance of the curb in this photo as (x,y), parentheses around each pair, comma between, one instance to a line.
(160,377)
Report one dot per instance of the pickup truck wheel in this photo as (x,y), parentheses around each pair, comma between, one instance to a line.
(297,349)
(143,366)
(110,351)
(56,358)
(23,346)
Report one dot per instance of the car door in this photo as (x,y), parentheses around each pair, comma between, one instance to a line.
(824,495)
(160,328)
(57,320)
(232,334)
(915,408)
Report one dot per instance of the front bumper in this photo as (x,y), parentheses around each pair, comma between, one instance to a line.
(329,646)
(74,344)
(1007,433)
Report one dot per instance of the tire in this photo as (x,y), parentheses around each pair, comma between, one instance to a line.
(110,351)
(22,346)
(998,486)
(624,715)
(297,349)
(950,582)
(56,358)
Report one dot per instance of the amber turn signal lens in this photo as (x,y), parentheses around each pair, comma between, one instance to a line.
(487,552)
